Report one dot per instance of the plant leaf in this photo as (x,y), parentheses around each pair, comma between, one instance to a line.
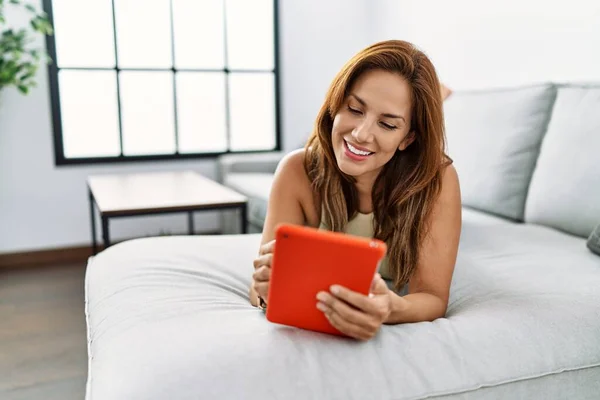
(19,62)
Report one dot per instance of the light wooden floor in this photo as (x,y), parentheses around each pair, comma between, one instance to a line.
(42,333)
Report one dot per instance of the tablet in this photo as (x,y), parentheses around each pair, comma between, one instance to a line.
(306,261)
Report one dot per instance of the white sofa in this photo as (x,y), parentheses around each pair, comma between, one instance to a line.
(169,317)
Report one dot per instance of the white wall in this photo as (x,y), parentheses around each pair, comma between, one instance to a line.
(317,38)
(480,44)
(43,206)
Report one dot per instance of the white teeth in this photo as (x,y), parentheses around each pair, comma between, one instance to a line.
(356,151)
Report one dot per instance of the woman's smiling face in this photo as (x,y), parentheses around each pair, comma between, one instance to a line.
(372,124)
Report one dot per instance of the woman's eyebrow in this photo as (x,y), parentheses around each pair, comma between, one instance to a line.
(387,115)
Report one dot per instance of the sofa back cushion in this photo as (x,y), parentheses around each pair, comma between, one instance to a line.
(494,138)
(565,187)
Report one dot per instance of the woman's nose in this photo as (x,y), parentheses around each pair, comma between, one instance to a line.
(361,132)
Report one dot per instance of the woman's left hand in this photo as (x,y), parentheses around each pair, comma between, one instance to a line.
(355,314)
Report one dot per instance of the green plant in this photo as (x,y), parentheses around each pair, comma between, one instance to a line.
(19,62)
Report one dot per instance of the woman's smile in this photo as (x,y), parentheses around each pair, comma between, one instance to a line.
(355,152)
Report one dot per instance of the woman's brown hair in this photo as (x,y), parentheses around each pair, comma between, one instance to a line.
(408,185)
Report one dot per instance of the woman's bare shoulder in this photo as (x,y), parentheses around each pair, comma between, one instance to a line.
(293,163)
(450,182)
(291,177)
(291,173)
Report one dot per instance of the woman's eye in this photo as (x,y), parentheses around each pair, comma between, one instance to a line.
(354,110)
(388,126)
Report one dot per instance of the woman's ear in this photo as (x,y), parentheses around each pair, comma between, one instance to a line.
(408,139)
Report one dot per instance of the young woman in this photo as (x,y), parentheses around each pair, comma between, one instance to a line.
(375,166)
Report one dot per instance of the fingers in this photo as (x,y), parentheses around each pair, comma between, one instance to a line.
(374,282)
(265,255)
(355,314)
(346,319)
(379,286)
(263,260)
(355,299)
(262,270)
(350,314)
(347,328)
(267,248)
(262,288)
(260,283)
(262,274)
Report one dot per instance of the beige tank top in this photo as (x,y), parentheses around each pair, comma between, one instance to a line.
(362,225)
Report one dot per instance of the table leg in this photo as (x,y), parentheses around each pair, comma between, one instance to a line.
(93,223)
(105,233)
(190,223)
(244,216)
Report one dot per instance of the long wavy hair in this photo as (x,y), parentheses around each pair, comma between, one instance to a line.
(407,186)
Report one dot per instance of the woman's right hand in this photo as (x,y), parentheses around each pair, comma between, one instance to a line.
(262,270)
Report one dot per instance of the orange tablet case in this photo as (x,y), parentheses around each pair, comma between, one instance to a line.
(306,261)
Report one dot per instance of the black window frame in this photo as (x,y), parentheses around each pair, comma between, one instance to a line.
(59,155)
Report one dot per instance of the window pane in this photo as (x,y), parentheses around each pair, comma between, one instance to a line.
(143,33)
(201,112)
(198,26)
(147,112)
(84,33)
(252,111)
(250,42)
(90,125)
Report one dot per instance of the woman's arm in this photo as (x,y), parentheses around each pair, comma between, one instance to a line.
(284,206)
(429,287)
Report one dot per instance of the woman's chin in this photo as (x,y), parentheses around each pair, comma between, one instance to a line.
(358,170)
(351,169)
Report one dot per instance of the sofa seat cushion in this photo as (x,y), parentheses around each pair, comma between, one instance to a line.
(255,186)
(494,138)
(169,318)
(565,187)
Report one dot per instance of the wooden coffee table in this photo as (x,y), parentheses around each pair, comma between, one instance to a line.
(128,195)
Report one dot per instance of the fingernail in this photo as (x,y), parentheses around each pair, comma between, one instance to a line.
(335,289)
(322,296)
(321,306)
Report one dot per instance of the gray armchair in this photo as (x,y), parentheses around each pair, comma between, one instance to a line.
(250,174)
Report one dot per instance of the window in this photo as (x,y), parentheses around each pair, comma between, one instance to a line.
(162,79)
